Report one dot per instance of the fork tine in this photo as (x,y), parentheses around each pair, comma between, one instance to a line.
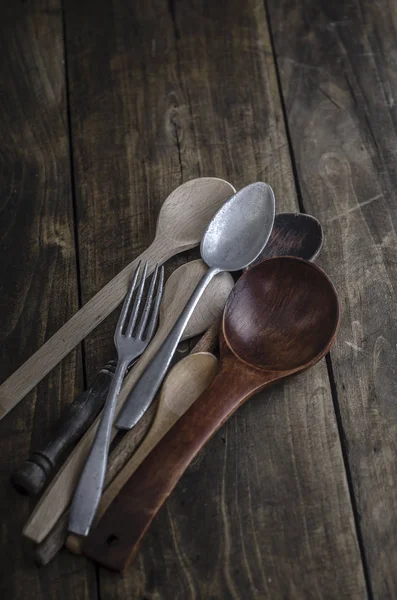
(127,302)
(135,308)
(153,318)
(148,305)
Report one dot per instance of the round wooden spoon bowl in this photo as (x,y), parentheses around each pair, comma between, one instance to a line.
(281,315)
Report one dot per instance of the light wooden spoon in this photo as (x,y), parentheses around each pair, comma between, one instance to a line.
(180,225)
(182,386)
(177,291)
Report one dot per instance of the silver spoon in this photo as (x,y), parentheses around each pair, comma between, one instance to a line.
(234,238)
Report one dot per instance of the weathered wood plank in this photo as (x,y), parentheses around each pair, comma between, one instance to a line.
(163,93)
(126,158)
(337,67)
(37,271)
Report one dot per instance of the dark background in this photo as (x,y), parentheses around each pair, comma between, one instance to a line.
(105,107)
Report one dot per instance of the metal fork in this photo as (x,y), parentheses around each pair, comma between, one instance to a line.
(129,344)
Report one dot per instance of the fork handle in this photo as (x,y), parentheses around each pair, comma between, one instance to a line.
(147,386)
(89,488)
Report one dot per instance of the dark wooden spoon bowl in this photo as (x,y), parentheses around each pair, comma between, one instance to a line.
(279,316)
(280,319)
(294,234)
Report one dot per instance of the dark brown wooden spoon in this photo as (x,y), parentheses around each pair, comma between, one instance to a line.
(280,319)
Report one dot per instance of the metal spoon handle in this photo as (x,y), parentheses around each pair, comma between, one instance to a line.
(89,489)
(147,386)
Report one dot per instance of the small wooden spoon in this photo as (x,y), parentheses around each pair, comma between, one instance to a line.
(180,226)
(280,319)
(294,234)
(177,291)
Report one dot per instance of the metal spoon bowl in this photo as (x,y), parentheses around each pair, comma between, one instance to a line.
(240,229)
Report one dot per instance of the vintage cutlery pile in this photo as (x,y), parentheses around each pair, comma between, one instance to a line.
(280,318)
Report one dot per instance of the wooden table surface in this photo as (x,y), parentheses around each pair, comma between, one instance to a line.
(106,106)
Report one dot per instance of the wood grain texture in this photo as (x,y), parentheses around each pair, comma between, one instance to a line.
(161,92)
(199,96)
(294,234)
(338,72)
(38,278)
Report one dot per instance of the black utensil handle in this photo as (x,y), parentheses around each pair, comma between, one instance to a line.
(33,475)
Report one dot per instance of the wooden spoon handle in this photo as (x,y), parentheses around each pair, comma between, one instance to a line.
(115,540)
(24,379)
